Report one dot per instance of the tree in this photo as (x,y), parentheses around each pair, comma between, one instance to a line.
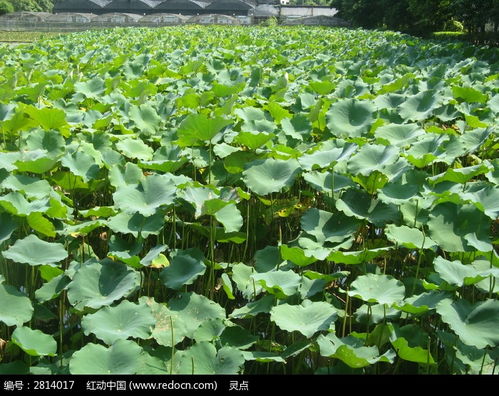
(476,14)
(430,15)
(364,13)
(396,15)
(411,16)
(5,7)
(32,5)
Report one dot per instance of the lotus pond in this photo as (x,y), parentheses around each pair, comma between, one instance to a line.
(251,200)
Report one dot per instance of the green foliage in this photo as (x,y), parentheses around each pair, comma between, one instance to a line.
(32,5)
(249,200)
(6,7)
(420,17)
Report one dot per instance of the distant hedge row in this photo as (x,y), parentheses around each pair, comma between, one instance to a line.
(422,16)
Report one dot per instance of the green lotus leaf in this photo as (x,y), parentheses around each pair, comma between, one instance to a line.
(120,322)
(35,161)
(32,187)
(460,175)
(151,257)
(296,348)
(408,342)
(135,148)
(469,94)
(33,251)
(427,150)
(227,286)
(487,200)
(327,156)
(212,206)
(398,83)
(146,118)
(420,106)
(52,288)
(357,257)
(327,181)
(371,158)
(374,314)
(236,162)
(411,238)
(282,284)
(253,140)
(83,228)
(381,289)
(307,318)
(99,211)
(262,305)
(351,351)
(137,224)
(100,284)
(93,88)
(322,87)
(152,193)
(40,224)
(297,127)
(277,111)
(268,259)
(119,358)
(69,182)
(17,204)
(399,135)
(185,267)
(48,118)
(456,273)
(128,175)
(34,342)
(422,303)
(492,176)
(197,196)
(81,164)
(7,161)
(164,165)
(195,309)
(7,226)
(389,101)
(6,111)
(255,120)
(476,361)
(306,100)
(223,150)
(16,306)
(328,227)
(242,276)
(154,361)
(475,324)
(237,337)
(350,118)
(209,330)
(491,282)
(459,228)
(296,255)
(268,176)
(359,204)
(400,190)
(198,128)
(203,358)
(170,327)
(263,357)
(230,217)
